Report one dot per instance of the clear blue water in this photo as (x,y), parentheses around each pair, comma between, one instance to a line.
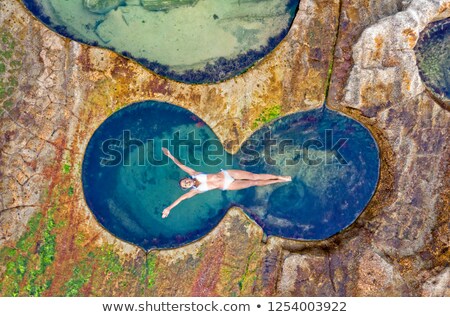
(127,189)
(128,196)
(334,162)
(433,58)
(193,41)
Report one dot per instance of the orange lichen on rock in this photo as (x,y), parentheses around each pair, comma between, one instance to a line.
(378,47)
(411,36)
(378,94)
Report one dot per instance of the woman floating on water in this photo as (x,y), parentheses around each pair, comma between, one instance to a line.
(225,180)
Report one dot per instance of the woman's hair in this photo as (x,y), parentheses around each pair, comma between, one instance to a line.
(179,183)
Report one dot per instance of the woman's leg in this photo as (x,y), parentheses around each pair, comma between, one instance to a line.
(241,175)
(242,184)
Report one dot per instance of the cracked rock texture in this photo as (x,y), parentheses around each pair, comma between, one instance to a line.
(50,243)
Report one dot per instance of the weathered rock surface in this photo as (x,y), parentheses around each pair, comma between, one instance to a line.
(399,246)
(380,85)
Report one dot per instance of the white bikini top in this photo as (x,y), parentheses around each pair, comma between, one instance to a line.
(203,187)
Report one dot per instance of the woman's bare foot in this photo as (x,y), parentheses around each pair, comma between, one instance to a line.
(286,178)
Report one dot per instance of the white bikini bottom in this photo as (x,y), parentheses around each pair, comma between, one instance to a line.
(227,180)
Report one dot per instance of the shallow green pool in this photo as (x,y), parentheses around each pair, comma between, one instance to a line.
(193,41)
(433,59)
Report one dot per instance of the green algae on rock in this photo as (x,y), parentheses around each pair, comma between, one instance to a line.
(433,60)
(10,64)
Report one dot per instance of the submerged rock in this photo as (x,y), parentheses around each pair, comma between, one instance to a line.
(101,6)
(164,5)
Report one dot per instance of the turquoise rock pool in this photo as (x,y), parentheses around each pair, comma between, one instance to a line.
(193,41)
(433,59)
(127,181)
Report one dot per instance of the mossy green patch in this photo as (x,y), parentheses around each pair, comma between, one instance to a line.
(46,251)
(66,168)
(267,115)
(80,239)
(151,270)
(80,276)
(25,242)
(98,271)
(148,274)
(102,267)
(16,259)
(34,252)
(110,260)
(248,276)
(10,64)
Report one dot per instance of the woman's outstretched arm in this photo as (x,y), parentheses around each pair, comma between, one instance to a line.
(188,195)
(188,170)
